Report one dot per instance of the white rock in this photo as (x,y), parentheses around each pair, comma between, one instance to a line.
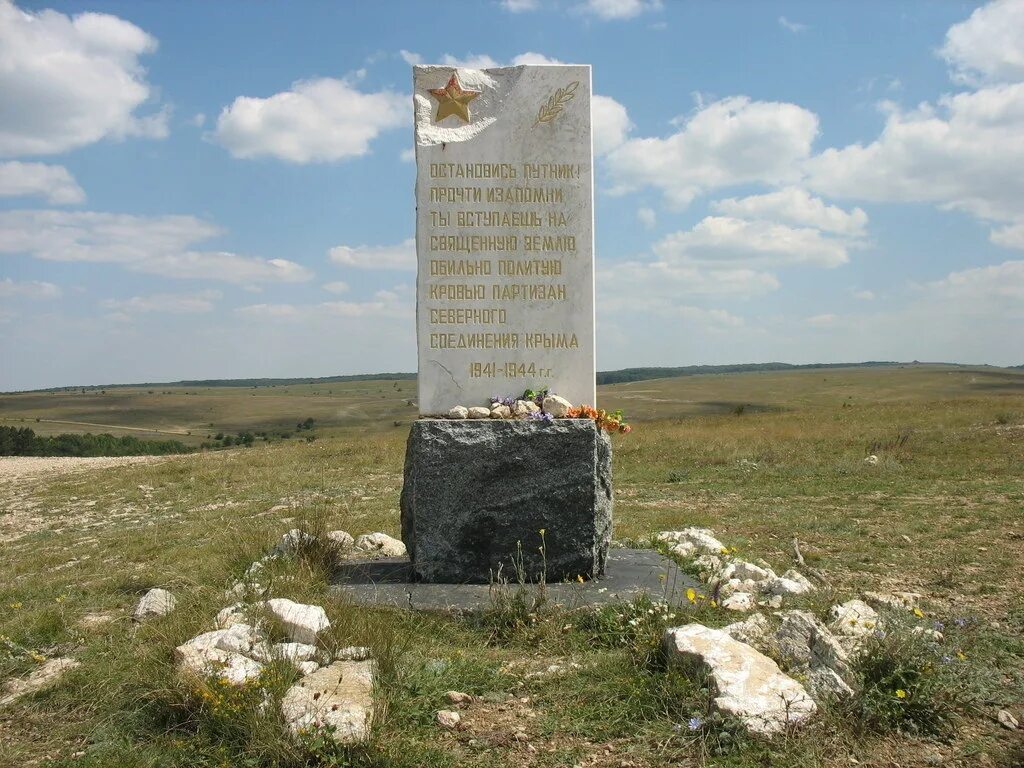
(739,601)
(500,411)
(478,412)
(723,590)
(448,718)
(236,638)
(459,412)
(871,460)
(45,675)
(353,653)
(895,601)
(805,584)
(806,645)
(341,539)
(752,630)
(531,406)
(748,684)
(786,587)
(701,538)
(339,695)
(233,614)
(557,406)
(156,602)
(380,544)
(294,652)
(232,668)
(683,549)
(854,618)
(307,667)
(458,697)
(303,623)
(521,408)
(707,565)
(749,571)
(1007,720)
(292,542)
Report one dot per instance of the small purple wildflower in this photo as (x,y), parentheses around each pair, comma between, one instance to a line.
(947,659)
(695,724)
(879,633)
(540,416)
(938,626)
(961,622)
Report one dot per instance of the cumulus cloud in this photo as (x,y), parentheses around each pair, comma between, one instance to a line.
(792,26)
(71,81)
(611,124)
(396,303)
(793,205)
(610,10)
(159,245)
(647,217)
(401,256)
(725,143)
(28,289)
(317,121)
(520,6)
(175,303)
(338,286)
(723,240)
(988,46)
(53,182)
(992,288)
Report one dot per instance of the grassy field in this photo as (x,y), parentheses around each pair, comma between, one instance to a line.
(761,458)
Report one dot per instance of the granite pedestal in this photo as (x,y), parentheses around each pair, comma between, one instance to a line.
(478,493)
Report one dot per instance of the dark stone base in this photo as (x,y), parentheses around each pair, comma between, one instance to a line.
(631,573)
(478,493)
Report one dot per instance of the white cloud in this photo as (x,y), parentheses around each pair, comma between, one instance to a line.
(29,289)
(320,120)
(988,46)
(396,303)
(795,206)
(272,311)
(198,120)
(611,124)
(53,182)
(410,58)
(159,245)
(407,155)
(618,9)
(728,142)
(864,295)
(71,81)
(531,57)
(966,153)
(175,303)
(822,321)
(792,26)
(470,61)
(1009,237)
(520,6)
(647,217)
(338,286)
(401,256)
(991,288)
(723,240)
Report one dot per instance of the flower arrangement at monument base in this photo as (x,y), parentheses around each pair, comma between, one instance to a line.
(542,405)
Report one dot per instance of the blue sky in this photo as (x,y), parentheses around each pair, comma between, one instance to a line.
(193,190)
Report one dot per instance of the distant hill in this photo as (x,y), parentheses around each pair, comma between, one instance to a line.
(624,375)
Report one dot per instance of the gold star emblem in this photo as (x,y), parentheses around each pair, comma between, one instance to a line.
(453,99)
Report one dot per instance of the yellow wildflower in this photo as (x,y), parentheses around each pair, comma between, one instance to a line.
(961,655)
(691,594)
(900,693)
(919,613)
(714,604)
(15,606)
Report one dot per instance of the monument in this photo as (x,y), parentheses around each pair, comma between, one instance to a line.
(505,304)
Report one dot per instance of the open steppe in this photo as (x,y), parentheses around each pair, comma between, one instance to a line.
(759,457)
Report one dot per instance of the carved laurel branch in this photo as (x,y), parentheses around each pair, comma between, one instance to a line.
(553,107)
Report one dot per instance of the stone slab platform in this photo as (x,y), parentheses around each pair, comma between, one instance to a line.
(631,572)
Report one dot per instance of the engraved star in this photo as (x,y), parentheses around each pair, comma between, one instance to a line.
(453,99)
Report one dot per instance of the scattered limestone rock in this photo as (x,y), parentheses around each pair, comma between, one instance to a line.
(521,408)
(557,406)
(748,684)
(307,667)
(233,614)
(871,460)
(748,571)
(353,653)
(700,539)
(806,645)
(94,621)
(204,662)
(380,544)
(292,543)
(294,652)
(341,539)
(448,719)
(753,630)
(739,601)
(854,618)
(459,412)
(501,411)
(156,602)
(1007,720)
(789,584)
(932,634)
(478,412)
(457,697)
(303,623)
(339,695)
(43,676)
(894,601)
(708,566)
